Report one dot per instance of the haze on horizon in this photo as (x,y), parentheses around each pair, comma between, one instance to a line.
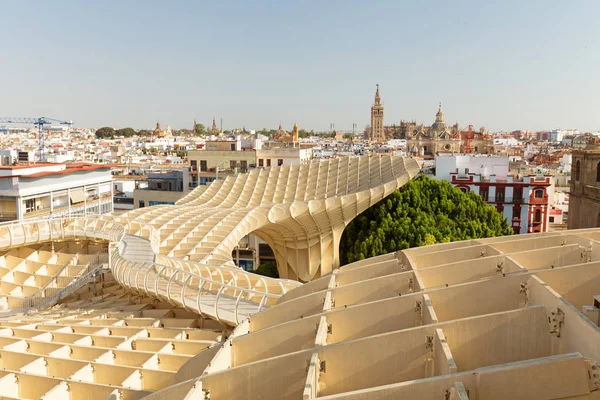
(505,65)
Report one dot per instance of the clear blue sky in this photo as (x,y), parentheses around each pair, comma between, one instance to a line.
(503,64)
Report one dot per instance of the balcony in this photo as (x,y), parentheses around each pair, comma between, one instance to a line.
(515,200)
(7,216)
(77,208)
(509,200)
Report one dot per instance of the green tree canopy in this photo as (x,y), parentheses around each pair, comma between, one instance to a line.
(145,132)
(303,133)
(267,269)
(182,132)
(126,132)
(105,132)
(424,211)
(200,129)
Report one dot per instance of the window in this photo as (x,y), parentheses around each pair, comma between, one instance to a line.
(194,165)
(551,219)
(244,165)
(261,162)
(232,146)
(516,212)
(499,194)
(517,195)
(538,216)
(425,149)
(280,161)
(116,187)
(268,162)
(232,164)
(203,165)
(577,170)
(156,203)
(142,204)
(29,205)
(539,194)
(463,189)
(484,193)
(598,172)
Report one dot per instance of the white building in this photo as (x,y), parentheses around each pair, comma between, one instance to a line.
(36,190)
(123,188)
(486,165)
(283,156)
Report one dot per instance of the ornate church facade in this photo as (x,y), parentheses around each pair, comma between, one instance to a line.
(427,141)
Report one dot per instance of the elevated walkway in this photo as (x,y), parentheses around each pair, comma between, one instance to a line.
(182,253)
(214,304)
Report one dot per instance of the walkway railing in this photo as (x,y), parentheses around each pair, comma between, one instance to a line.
(54,285)
(194,290)
(225,294)
(50,301)
(16,233)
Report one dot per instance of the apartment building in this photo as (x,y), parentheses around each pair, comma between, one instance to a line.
(523,200)
(278,156)
(37,190)
(164,186)
(123,188)
(221,158)
(224,157)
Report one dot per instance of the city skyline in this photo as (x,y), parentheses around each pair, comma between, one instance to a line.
(507,66)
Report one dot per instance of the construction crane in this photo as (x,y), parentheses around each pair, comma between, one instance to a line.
(468,141)
(37,121)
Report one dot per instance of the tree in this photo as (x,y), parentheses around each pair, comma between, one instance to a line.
(200,129)
(182,132)
(303,133)
(126,132)
(145,132)
(105,132)
(267,269)
(424,211)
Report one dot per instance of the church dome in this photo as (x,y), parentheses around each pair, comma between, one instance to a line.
(439,124)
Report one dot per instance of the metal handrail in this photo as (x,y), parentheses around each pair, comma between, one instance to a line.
(54,279)
(70,289)
(186,274)
(155,243)
(200,277)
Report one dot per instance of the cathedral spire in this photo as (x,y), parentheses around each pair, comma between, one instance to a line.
(295,133)
(214,128)
(377,129)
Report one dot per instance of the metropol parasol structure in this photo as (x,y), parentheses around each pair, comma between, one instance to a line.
(149,304)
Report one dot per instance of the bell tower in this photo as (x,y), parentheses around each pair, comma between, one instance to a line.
(377,132)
